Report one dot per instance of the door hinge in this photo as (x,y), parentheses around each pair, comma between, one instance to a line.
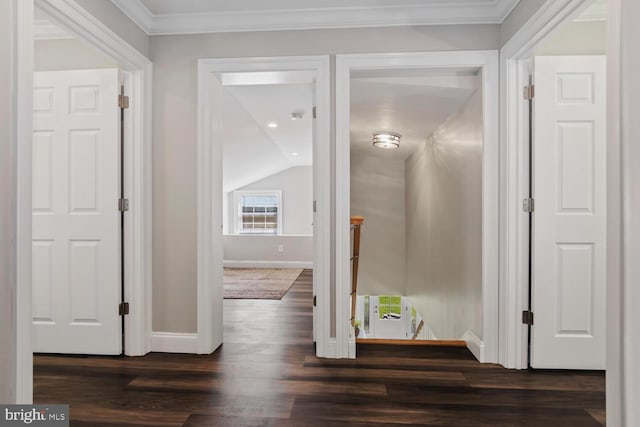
(528,205)
(527,317)
(315,206)
(315,300)
(123,101)
(123,309)
(315,112)
(529,92)
(123,205)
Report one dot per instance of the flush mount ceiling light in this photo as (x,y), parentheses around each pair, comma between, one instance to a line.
(272,125)
(296,115)
(386,139)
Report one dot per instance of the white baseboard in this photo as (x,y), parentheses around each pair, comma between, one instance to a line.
(172,342)
(267,264)
(474,344)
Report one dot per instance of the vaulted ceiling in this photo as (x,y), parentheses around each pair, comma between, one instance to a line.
(158,17)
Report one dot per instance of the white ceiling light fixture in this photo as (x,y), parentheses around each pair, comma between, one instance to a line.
(389,140)
(272,125)
(296,115)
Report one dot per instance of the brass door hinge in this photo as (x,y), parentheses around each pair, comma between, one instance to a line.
(123,101)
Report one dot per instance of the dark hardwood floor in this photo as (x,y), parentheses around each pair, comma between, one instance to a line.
(266,374)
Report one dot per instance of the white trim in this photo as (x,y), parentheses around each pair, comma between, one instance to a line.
(488,61)
(474,344)
(45,30)
(23,101)
(594,13)
(617,398)
(172,342)
(543,22)
(209,323)
(514,174)
(429,13)
(267,264)
(138,187)
(137,12)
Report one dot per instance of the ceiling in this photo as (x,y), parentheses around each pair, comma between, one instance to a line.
(159,17)
(252,150)
(413,103)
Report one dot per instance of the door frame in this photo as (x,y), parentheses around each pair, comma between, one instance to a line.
(137,175)
(210,254)
(485,348)
(514,175)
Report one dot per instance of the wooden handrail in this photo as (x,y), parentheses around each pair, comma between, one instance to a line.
(418,329)
(356,224)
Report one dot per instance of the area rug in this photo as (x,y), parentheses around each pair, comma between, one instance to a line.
(258,283)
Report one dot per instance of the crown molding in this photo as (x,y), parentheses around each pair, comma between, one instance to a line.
(137,12)
(440,13)
(45,30)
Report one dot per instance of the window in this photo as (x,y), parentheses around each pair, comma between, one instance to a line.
(259,212)
(390,307)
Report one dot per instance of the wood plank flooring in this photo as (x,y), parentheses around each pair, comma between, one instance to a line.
(266,374)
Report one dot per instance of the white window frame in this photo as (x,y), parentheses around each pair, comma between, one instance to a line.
(237,198)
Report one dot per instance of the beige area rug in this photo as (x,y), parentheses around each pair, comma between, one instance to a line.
(258,283)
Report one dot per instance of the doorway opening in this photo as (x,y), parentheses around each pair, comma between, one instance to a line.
(567,181)
(86,131)
(441,105)
(566,176)
(263,187)
(267,191)
(420,263)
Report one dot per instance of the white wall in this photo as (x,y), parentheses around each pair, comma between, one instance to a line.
(576,38)
(377,193)
(262,251)
(175,131)
(296,184)
(68,54)
(118,22)
(444,225)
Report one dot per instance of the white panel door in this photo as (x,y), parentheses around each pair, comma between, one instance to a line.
(76,222)
(569,234)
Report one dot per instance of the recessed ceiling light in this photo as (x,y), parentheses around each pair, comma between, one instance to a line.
(386,139)
(272,125)
(294,154)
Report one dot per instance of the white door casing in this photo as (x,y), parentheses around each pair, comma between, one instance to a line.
(76,222)
(569,232)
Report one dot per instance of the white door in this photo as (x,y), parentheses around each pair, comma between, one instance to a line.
(76,222)
(388,317)
(569,234)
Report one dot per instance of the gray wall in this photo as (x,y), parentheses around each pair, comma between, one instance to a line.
(175,131)
(377,193)
(444,225)
(118,22)
(576,38)
(68,54)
